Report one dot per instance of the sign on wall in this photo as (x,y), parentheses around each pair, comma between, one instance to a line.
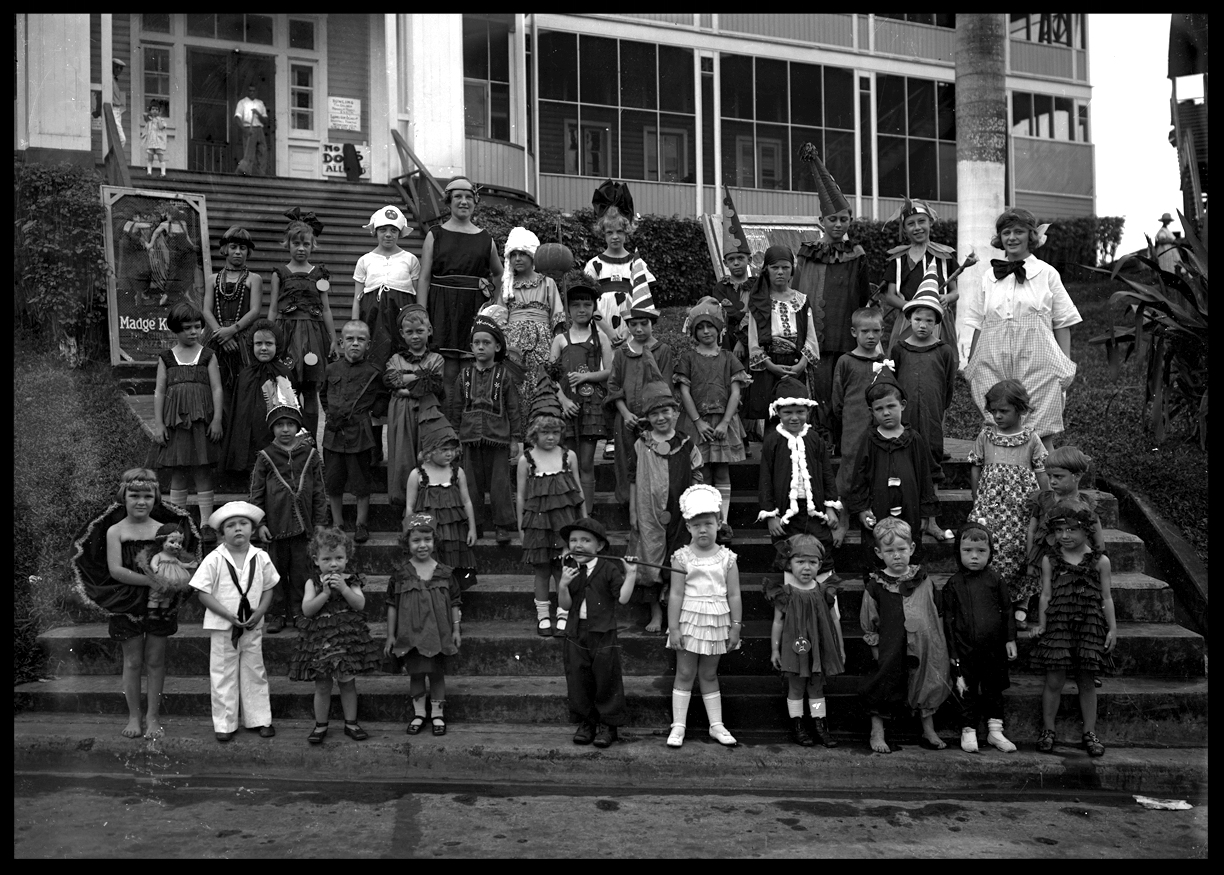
(333,159)
(344,113)
(156,243)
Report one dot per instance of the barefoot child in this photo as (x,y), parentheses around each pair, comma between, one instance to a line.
(549,498)
(711,381)
(926,372)
(1007,464)
(662,464)
(590,589)
(704,613)
(1076,628)
(580,361)
(235,583)
(333,642)
(806,639)
(901,624)
(981,636)
(852,377)
(424,610)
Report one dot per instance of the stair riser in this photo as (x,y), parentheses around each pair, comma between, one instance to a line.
(1122,719)
(531,655)
(1130,605)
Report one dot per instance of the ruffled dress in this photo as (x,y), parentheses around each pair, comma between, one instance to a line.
(1010,464)
(709,379)
(552,500)
(423,616)
(1075,629)
(186,412)
(335,642)
(583,357)
(299,313)
(811,637)
(1040,503)
(705,616)
(444,503)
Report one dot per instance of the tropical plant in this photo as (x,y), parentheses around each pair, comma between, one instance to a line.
(1169,332)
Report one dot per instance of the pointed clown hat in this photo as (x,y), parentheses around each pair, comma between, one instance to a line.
(281,400)
(544,399)
(433,429)
(706,310)
(733,238)
(926,296)
(789,392)
(885,372)
(831,198)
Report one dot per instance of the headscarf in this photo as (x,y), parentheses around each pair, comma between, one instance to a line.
(518,240)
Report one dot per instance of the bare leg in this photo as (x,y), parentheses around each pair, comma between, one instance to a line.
(707,672)
(133,662)
(348,700)
(586,474)
(656,617)
(336,502)
(1051,695)
(686,670)
(543,577)
(1088,700)
(363,510)
(155,665)
(322,699)
(877,735)
(1047,441)
(928,731)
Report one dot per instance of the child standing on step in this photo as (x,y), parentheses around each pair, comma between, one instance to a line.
(662,464)
(926,371)
(981,636)
(1007,464)
(641,360)
(333,641)
(155,138)
(580,361)
(247,430)
(852,377)
(704,613)
(549,498)
(413,372)
(187,405)
(438,487)
(1076,628)
(900,620)
(300,301)
(287,484)
(424,610)
(806,639)
(590,588)
(232,306)
(711,381)
(235,583)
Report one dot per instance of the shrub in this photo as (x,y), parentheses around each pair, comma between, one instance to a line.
(59,254)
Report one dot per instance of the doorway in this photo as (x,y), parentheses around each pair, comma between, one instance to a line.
(216,81)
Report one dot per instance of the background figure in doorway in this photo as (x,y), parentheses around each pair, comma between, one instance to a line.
(252,114)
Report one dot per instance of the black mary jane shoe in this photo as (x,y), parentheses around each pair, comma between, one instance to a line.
(354,731)
(317,734)
(439,725)
(415,725)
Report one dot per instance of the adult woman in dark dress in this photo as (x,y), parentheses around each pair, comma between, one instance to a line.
(460,272)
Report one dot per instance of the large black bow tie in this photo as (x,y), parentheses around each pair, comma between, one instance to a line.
(1003,268)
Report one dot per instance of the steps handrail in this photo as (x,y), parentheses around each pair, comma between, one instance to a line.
(405,151)
(115,161)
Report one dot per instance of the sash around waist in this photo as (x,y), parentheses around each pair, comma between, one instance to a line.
(456,282)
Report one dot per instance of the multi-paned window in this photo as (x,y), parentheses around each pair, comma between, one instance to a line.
(237,26)
(486,78)
(916,137)
(155,22)
(770,108)
(616,108)
(157,77)
(939,19)
(301,97)
(1049,117)
(1054,28)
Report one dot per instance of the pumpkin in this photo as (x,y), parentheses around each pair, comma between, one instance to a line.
(554,258)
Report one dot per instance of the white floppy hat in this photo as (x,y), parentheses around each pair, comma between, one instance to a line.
(698,499)
(521,239)
(388,215)
(232,509)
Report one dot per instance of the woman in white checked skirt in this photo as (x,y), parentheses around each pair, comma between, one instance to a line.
(1021,320)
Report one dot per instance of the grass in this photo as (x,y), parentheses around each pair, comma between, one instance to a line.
(1103,418)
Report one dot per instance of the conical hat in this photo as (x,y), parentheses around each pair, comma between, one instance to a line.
(544,401)
(281,401)
(433,429)
(733,237)
(926,296)
(831,198)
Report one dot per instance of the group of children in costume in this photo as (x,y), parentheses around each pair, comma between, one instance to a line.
(674,419)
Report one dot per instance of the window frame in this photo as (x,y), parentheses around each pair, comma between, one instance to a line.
(313,90)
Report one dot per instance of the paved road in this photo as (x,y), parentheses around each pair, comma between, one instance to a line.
(119,816)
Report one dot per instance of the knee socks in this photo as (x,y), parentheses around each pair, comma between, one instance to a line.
(206,500)
(794,707)
(680,703)
(817,706)
(724,492)
(178,497)
(713,706)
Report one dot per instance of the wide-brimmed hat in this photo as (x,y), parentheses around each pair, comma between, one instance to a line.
(232,509)
(926,296)
(118,63)
(237,234)
(388,215)
(586,524)
(1166,218)
(655,395)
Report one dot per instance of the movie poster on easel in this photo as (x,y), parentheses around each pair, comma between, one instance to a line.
(157,246)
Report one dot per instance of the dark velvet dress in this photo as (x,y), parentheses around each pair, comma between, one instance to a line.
(460,262)
(806,614)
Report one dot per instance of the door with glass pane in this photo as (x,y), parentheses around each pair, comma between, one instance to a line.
(216,81)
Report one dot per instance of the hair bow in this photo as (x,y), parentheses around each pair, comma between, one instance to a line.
(297,215)
(420,519)
(876,367)
(613,194)
(1041,235)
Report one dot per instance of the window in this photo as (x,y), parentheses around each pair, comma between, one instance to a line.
(234,26)
(486,78)
(157,77)
(617,108)
(301,34)
(783,105)
(1049,117)
(940,19)
(916,139)
(155,22)
(301,97)
(1054,28)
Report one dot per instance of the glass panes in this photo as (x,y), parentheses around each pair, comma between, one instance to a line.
(155,22)
(677,148)
(923,170)
(890,103)
(920,108)
(1022,114)
(558,136)
(230,25)
(637,128)
(475,47)
(892,166)
(475,108)
(301,97)
(839,159)
(802,175)
(598,142)
(499,51)
(945,109)
(558,67)
(805,94)
(259,29)
(596,77)
(839,98)
(499,111)
(638,76)
(1064,110)
(773,157)
(301,34)
(675,79)
(738,161)
(771,96)
(736,73)
(947,171)
(201,24)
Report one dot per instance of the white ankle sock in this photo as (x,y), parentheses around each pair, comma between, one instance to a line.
(436,708)
(713,706)
(724,492)
(817,706)
(541,609)
(680,704)
(418,705)
(794,707)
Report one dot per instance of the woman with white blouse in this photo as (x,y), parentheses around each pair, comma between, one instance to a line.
(1021,320)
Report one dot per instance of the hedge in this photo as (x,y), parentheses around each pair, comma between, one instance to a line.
(675,248)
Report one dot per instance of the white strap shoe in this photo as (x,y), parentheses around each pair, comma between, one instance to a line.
(676,737)
(719,733)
